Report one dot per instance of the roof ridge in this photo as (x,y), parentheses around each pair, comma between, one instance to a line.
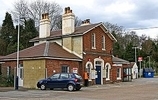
(88,25)
(77,26)
(46,49)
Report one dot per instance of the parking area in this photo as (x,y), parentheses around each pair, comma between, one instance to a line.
(139,89)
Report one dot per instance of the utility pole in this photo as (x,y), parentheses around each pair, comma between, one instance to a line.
(149,61)
(135,53)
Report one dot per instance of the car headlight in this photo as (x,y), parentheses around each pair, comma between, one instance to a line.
(40,81)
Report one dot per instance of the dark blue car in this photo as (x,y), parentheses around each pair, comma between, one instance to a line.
(71,81)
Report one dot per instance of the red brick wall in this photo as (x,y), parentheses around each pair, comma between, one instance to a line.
(98,52)
(56,65)
(4,66)
(87,45)
(12,64)
(114,73)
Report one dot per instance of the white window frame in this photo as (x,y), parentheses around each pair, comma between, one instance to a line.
(108,67)
(103,42)
(8,71)
(89,67)
(118,73)
(93,40)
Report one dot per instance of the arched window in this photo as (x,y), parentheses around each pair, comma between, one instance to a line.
(108,67)
(89,68)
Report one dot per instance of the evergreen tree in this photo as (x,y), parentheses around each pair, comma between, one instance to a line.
(129,53)
(6,34)
(27,32)
(30,32)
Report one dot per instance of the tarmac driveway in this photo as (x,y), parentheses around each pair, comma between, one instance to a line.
(139,89)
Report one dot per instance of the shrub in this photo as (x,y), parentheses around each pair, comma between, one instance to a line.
(7,80)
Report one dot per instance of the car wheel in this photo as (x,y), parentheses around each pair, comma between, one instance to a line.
(70,87)
(51,88)
(43,87)
(77,89)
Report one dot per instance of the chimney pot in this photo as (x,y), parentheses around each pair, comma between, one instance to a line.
(70,11)
(88,20)
(42,16)
(68,8)
(45,16)
(65,10)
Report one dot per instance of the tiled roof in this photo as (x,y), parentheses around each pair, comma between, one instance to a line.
(132,63)
(80,30)
(1,56)
(45,50)
(117,60)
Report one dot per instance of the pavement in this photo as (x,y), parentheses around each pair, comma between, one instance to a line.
(5,89)
(136,81)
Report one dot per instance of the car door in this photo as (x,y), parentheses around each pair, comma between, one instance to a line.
(53,81)
(63,80)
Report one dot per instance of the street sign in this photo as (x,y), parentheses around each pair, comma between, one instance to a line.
(140,59)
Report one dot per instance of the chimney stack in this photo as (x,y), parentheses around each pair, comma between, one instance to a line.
(44,26)
(68,21)
(85,22)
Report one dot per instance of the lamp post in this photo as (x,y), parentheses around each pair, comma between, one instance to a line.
(16,83)
(135,54)
(16,80)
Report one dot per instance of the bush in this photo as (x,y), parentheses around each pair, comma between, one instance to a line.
(7,81)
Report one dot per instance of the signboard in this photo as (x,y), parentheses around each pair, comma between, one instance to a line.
(140,59)
(75,70)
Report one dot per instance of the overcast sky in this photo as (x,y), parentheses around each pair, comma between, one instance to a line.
(131,14)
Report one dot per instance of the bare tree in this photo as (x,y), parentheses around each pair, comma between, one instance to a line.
(38,7)
(35,9)
(20,10)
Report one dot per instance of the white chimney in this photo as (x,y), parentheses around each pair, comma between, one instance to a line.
(44,26)
(68,21)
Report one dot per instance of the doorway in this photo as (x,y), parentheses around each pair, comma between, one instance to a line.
(98,76)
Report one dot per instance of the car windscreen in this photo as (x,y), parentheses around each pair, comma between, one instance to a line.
(78,76)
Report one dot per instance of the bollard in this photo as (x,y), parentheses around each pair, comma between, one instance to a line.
(16,83)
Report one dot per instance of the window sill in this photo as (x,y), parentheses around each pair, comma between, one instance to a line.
(93,47)
(118,78)
(107,79)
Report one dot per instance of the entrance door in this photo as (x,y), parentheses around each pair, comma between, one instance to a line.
(98,77)
(20,75)
(127,74)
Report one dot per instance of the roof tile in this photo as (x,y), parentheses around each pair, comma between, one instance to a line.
(54,50)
